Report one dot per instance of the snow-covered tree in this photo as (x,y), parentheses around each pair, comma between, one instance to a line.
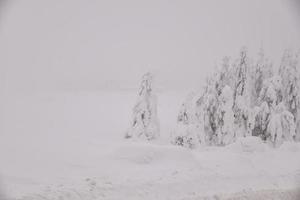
(241,74)
(261,116)
(273,121)
(271,92)
(215,107)
(189,130)
(225,131)
(281,126)
(224,75)
(241,94)
(145,123)
(184,135)
(210,107)
(270,96)
(213,114)
(262,70)
(289,71)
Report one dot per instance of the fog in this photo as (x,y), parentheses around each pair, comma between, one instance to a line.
(93,45)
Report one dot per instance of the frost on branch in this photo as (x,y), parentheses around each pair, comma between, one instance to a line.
(145,123)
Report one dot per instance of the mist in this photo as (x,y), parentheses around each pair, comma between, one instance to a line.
(78,45)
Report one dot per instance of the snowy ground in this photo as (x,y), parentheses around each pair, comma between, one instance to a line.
(69,146)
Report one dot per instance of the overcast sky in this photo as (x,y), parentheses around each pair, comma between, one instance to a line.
(86,45)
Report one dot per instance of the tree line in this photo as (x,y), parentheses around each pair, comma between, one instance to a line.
(243,97)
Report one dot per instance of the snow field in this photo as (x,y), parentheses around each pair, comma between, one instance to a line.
(70,146)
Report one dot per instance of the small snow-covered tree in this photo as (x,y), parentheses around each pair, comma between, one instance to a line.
(281,126)
(188,127)
(261,116)
(145,123)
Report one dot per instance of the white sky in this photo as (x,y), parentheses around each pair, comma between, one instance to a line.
(70,44)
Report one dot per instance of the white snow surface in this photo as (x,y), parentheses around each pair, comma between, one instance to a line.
(69,146)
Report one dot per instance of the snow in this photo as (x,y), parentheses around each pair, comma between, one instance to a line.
(69,146)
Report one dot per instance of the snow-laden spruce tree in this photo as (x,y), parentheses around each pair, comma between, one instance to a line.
(241,68)
(216,107)
(224,75)
(242,94)
(270,96)
(225,131)
(210,106)
(289,71)
(260,71)
(261,115)
(211,111)
(197,119)
(145,123)
(281,126)
(275,123)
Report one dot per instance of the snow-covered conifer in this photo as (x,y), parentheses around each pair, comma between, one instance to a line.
(241,94)
(145,123)
(184,135)
(270,96)
(289,72)
(189,130)
(225,132)
(281,126)
(271,92)
(262,70)
(261,120)
(273,121)
(241,72)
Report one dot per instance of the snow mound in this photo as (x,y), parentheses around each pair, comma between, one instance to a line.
(151,154)
(290,147)
(248,144)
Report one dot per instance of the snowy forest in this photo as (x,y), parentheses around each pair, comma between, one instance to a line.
(243,97)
